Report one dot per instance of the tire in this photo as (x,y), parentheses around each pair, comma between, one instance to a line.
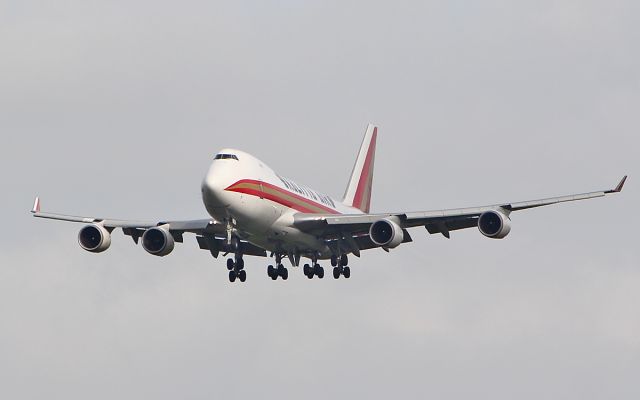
(242,275)
(344,260)
(271,271)
(240,263)
(235,244)
(307,269)
(230,264)
(336,273)
(232,276)
(346,272)
(334,261)
(285,274)
(319,271)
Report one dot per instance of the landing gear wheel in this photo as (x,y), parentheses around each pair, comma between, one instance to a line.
(240,264)
(232,276)
(346,271)
(307,270)
(318,271)
(344,260)
(334,261)
(235,244)
(242,275)
(336,273)
(271,271)
(230,264)
(282,272)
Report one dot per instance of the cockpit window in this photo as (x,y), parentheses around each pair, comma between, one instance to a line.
(226,157)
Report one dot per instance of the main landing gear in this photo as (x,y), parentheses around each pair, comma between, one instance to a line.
(279,270)
(340,266)
(236,266)
(315,270)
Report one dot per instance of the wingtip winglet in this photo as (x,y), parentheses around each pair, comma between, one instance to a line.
(620,185)
(36,206)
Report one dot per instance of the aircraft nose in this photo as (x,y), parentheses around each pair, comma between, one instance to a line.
(213,190)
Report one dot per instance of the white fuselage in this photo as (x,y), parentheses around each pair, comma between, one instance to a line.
(242,190)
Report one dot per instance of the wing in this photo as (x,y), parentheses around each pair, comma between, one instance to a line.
(353,228)
(210,234)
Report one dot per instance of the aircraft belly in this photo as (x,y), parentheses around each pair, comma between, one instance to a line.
(283,236)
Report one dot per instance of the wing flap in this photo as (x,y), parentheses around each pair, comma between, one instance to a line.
(445,226)
(217,244)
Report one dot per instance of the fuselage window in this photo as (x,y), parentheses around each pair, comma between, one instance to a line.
(285,182)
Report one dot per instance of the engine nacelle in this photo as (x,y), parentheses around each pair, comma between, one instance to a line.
(157,241)
(94,238)
(386,233)
(494,224)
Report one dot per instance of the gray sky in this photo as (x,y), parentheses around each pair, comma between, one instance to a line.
(116,109)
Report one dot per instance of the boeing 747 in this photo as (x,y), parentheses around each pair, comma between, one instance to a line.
(253,211)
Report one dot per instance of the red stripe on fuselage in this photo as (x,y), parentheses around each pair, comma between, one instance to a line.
(299,203)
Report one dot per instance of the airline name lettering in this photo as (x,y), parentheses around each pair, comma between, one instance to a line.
(305,191)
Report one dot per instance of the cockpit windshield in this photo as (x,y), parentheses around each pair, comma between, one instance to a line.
(222,156)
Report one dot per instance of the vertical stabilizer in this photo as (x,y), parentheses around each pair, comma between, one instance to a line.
(358,193)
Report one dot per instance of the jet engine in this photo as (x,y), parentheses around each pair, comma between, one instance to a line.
(157,241)
(386,233)
(94,238)
(494,224)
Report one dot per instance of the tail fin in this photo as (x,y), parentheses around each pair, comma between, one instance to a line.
(358,193)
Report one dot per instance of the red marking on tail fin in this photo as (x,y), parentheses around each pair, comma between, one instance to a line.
(362,198)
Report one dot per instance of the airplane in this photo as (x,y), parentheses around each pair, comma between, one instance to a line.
(254,211)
